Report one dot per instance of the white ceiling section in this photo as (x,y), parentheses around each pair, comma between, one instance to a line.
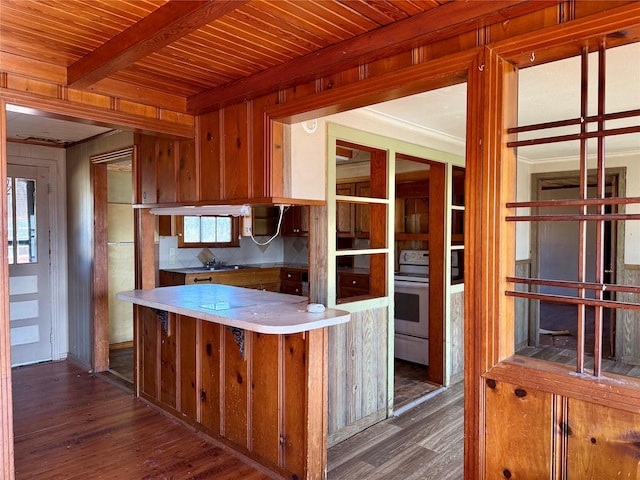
(547,92)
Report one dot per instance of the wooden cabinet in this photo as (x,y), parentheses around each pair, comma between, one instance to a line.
(345,212)
(165,170)
(412,210)
(353,220)
(257,278)
(264,221)
(351,284)
(362,219)
(296,221)
(292,281)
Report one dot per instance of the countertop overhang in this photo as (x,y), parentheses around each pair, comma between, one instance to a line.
(246,308)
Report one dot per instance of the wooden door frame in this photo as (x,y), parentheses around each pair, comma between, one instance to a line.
(619,175)
(100,275)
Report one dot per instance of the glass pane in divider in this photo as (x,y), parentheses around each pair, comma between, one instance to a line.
(26,231)
(10,232)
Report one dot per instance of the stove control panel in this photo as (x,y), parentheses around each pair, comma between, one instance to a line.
(414,257)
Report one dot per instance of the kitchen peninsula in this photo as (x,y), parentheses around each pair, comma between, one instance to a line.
(246,367)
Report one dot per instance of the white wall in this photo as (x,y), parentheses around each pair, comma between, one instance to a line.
(632,228)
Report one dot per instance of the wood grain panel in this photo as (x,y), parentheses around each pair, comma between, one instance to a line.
(168,357)
(456,359)
(187,182)
(208,139)
(357,369)
(147,167)
(235,152)
(264,163)
(265,393)
(166,168)
(187,373)
(522,317)
(518,431)
(149,351)
(602,442)
(210,388)
(234,390)
(295,398)
(628,321)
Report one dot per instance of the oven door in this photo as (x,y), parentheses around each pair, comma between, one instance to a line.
(411,308)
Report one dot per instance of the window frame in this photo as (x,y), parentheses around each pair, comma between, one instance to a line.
(235,233)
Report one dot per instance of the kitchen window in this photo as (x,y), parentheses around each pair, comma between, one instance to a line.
(208,231)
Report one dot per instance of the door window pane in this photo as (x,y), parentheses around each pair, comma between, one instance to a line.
(21,204)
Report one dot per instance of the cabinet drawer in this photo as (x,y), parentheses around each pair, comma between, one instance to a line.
(292,288)
(291,275)
(199,278)
(354,280)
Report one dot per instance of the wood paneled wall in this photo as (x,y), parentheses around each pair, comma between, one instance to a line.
(80,241)
(555,436)
(628,321)
(358,373)
(456,356)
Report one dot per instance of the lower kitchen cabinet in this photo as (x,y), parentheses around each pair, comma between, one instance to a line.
(294,281)
(351,284)
(258,278)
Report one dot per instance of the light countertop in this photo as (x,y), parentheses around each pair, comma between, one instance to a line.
(254,310)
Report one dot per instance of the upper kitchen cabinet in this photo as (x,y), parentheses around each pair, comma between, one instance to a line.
(166,170)
(296,221)
(246,158)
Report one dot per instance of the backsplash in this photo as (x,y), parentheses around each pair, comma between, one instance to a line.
(279,250)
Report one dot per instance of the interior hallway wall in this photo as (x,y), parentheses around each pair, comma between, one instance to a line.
(80,239)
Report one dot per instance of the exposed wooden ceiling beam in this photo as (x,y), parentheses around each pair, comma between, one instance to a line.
(434,24)
(163,26)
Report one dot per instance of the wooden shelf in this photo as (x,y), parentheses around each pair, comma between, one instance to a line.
(412,236)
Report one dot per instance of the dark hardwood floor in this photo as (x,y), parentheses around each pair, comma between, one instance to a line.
(71,425)
(121,362)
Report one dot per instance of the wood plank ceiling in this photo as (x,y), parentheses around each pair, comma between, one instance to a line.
(194,56)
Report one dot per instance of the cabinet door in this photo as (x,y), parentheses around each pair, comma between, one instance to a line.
(146,169)
(296,222)
(187,172)
(166,171)
(345,212)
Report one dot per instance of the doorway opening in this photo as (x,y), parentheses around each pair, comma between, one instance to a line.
(114,259)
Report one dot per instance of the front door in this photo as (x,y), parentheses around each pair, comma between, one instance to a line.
(29,266)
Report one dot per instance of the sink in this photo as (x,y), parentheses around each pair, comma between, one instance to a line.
(223,268)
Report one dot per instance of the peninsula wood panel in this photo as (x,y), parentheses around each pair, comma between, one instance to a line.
(148,351)
(265,375)
(187,369)
(253,389)
(168,362)
(234,388)
(210,383)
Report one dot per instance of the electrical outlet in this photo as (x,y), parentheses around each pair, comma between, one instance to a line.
(172,256)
